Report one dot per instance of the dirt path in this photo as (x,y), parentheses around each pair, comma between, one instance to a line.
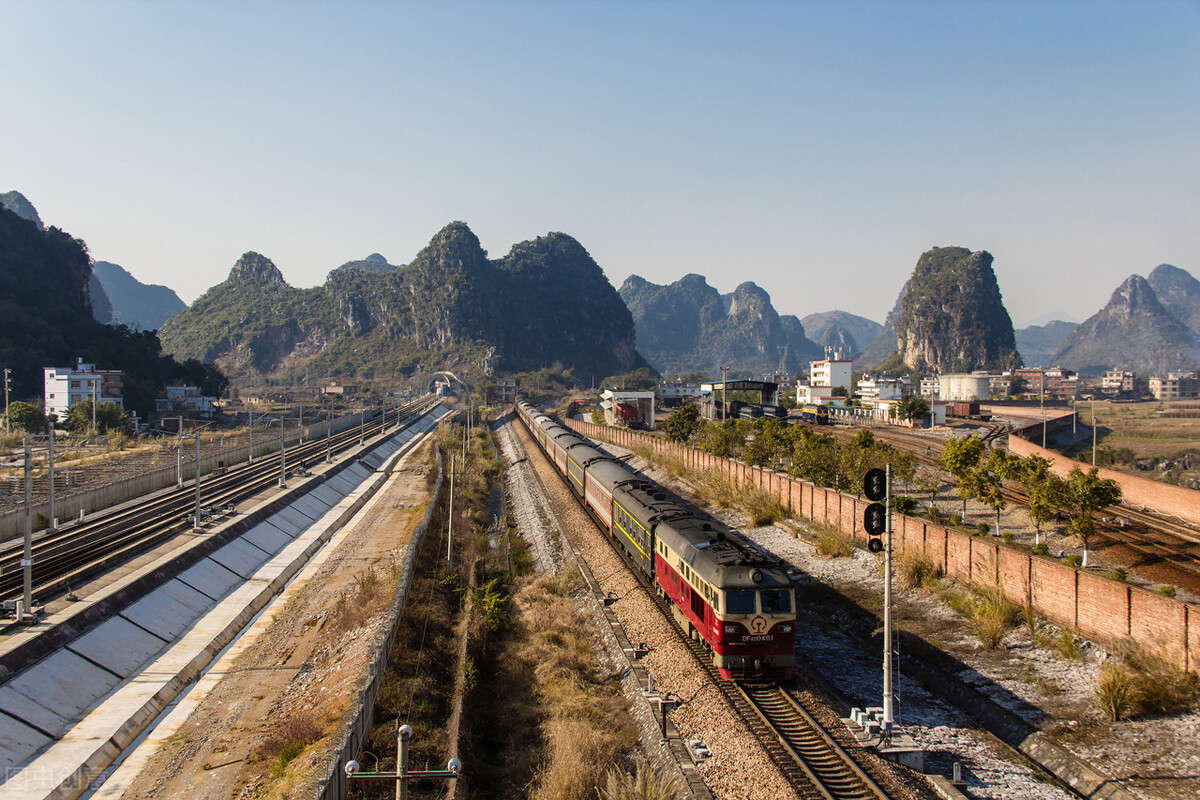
(293,683)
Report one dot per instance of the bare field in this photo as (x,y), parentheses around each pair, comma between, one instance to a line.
(1152,439)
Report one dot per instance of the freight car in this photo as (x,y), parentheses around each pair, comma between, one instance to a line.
(723,591)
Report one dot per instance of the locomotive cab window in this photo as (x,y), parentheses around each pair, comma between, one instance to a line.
(777,601)
(739,602)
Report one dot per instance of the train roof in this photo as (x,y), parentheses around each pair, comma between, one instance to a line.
(721,555)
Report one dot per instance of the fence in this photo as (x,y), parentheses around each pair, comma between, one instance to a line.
(1105,610)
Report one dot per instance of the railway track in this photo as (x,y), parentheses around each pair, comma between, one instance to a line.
(76,553)
(805,752)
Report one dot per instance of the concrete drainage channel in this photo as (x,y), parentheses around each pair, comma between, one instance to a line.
(65,719)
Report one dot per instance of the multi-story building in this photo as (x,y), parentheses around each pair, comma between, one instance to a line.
(1176,386)
(823,377)
(186,400)
(66,386)
(1117,381)
(1055,382)
(931,387)
(883,388)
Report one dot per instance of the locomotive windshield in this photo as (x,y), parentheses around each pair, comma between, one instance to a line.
(739,602)
(776,601)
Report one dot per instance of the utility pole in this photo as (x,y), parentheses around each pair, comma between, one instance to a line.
(1043,409)
(329,433)
(362,420)
(450,536)
(196,519)
(7,382)
(95,400)
(282,455)
(250,427)
(50,439)
(724,393)
(1093,431)
(302,415)
(26,613)
(888,688)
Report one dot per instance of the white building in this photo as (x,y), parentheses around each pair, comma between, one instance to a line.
(186,400)
(883,388)
(930,387)
(66,386)
(823,377)
(964,387)
(635,409)
(1116,381)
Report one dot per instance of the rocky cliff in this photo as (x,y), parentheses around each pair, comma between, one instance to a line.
(545,302)
(952,318)
(688,326)
(1133,332)
(1178,292)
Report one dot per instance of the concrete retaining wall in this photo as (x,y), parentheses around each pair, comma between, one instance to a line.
(1107,611)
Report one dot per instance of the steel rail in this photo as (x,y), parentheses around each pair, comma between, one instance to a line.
(80,551)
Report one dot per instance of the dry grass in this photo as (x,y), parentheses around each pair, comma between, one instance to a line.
(990,614)
(365,601)
(712,489)
(1161,686)
(832,543)
(1114,691)
(586,723)
(646,783)
(916,571)
(762,507)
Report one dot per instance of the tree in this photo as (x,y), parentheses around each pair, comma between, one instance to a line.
(1044,489)
(768,445)
(26,417)
(109,417)
(912,408)
(989,477)
(961,457)
(683,424)
(1087,493)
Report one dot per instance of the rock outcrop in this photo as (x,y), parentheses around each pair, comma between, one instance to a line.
(688,326)
(547,302)
(1133,332)
(952,318)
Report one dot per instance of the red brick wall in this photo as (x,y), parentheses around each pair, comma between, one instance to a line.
(1160,497)
(1102,609)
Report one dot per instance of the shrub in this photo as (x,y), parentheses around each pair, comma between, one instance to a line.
(833,543)
(1166,591)
(994,615)
(1007,536)
(1041,549)
(1161,686)
(983,529)
(647,783)
(917,571)
(1114,691)
(1075,560)
(935,514)
(1118,574)
(903,504)
(956,520)
(763,507)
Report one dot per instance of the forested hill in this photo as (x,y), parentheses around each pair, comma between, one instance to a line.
(546,302)
(686,326)
(46,319)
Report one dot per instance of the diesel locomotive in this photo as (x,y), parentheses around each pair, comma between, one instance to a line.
(734,597)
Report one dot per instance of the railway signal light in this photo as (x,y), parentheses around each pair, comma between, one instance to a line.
(875,484)
(875,523)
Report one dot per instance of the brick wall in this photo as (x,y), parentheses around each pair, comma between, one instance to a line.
(1107,611)
(1137,491)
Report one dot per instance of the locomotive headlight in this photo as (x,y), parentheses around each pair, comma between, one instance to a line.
(785,628)
(757,577)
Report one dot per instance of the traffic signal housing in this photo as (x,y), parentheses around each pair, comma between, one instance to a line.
(875,523)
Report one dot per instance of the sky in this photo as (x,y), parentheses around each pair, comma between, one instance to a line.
(815,148)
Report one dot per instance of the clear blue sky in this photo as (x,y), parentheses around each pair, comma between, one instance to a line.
(815,148)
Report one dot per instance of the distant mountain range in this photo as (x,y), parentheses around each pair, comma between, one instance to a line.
(688,326)
(545,303)
(1137,331)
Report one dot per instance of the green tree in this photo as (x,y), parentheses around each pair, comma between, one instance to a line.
(989,477)
(1086,494)
(109,417)
(26,417)
(769,444)
(961,457)
(683,424)
(912,408)
(1044,489)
